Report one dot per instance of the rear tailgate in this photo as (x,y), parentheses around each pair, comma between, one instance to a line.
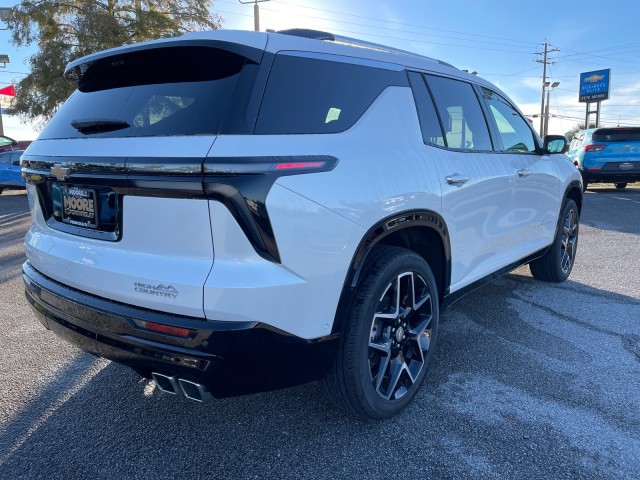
(115,179)
(614,149)
(126,236)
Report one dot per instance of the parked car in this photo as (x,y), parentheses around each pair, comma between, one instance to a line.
(10,176)
(231,212)
(607,155)
(8,144)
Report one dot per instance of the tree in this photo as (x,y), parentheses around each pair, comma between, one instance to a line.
(64,31)
(576,128)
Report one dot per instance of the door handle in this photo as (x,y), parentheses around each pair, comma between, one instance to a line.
(456,179)
(524,173)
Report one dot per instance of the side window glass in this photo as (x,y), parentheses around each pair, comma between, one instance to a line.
(462,119)
(4,158)
(514,130)
(15,158)
(308,95)
(429,123)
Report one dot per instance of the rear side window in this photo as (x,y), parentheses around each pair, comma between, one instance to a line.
(429,123)
(309,95)
(161,91)
(617,135)
(5,158)
(460,113)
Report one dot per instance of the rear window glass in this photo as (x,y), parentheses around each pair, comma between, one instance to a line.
(616,135)
(162,91)
(306,95)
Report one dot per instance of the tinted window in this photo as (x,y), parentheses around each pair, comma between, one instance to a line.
(460,113)
(429,123)
(617,135)
(306,95)
(514,130)
(5,158)
(163,91)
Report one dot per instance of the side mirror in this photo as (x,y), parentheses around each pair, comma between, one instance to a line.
(555,144)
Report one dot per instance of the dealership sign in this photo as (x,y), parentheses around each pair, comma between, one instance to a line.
(594,86)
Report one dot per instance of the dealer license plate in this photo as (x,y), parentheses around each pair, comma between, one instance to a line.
(79,207)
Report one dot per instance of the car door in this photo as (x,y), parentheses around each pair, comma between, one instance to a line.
(476,182)
(537,195)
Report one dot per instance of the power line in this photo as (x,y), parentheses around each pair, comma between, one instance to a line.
(422,27)
(377,28)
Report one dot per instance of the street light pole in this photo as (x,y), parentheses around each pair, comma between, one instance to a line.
(4,16)
(256,12)
(546,111)
(4,59)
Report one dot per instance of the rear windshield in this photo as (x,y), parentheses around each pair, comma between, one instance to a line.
(161,91)
(617,135)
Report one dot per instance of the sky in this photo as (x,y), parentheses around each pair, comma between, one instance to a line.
(499,39)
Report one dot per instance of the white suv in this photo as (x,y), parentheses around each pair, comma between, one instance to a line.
(231,212)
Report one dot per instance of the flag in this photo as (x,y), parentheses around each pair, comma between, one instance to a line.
(9,91)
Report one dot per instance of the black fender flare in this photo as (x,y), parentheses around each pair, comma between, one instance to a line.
(379,231)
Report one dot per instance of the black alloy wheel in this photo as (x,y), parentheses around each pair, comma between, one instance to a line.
(389,338)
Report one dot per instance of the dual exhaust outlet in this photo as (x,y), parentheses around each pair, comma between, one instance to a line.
(174,385)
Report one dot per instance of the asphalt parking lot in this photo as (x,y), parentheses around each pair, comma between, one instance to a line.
(531,380)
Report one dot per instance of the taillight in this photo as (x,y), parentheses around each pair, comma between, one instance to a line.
(594,147)
(299,165)
(276,166)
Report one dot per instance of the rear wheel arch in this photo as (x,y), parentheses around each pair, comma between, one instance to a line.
(574,192)
(423,232)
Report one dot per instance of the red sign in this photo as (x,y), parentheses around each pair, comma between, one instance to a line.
(9,91)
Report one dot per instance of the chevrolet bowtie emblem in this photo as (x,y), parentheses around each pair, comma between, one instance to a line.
(59,171)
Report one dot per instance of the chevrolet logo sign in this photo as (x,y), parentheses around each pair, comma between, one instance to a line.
(59,171)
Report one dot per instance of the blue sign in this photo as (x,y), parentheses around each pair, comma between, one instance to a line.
(594,86)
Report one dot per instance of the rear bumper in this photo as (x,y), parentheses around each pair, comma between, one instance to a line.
(229,358)
(610,176)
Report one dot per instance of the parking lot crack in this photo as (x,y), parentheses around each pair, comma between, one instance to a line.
(630,342)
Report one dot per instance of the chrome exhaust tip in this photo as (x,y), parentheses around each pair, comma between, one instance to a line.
(194,391)
(166,383)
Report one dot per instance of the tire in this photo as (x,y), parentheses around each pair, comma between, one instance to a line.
(556,264)
(621,185)
(1,190)
(389,338)
(585,184)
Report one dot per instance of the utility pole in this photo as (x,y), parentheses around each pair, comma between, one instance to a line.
(544,63)
(256,12)
(5,12)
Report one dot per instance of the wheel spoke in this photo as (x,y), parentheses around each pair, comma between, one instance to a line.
(396,368)
(381,373)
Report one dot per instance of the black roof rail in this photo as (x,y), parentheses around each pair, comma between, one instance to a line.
(354,42)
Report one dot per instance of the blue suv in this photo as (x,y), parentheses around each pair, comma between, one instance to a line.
(607,155)
(10,176)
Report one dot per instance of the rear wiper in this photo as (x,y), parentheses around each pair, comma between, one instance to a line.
(98,125)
